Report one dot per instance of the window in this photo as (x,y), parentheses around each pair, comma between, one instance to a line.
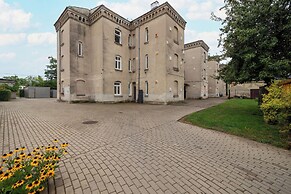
(129,41)
(205,57)
(176,34)
(176,63)
(146,88)
(146,35)
(117,36)
(80,88)
(175,92)
(118,64)
(146,62)
(80,49)
(117,88)
(133,65)
(133,40)
(129,66)
(130,89)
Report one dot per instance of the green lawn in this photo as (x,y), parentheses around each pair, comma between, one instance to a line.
(241,117)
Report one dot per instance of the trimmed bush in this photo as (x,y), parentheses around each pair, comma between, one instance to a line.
(5,95)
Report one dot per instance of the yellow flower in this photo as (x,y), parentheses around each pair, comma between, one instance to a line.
(10,153)
(42,178)
(28,176)
(65,152)
(29,186)
(7,175)
(40,189)
(20,182)
(51,173)
(17,166)
(10,169)
(36,183)
(22,155)
(55,140)
(37,149)
(32,192)
(34,163)
(23,148)
(17,160)
(5,156)
(17,150)
(28,156)
(15,185)
(64,145)
(1,167)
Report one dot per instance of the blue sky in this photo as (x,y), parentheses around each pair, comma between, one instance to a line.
(28,37)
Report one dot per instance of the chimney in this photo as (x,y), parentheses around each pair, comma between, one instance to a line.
(154,5)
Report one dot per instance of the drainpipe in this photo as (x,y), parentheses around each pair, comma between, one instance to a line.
(59,65)
(140,93)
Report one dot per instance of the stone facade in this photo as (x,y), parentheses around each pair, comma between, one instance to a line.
(216,88)
(196,79)
(103,57)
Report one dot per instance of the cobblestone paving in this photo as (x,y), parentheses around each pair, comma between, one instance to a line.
(142,149)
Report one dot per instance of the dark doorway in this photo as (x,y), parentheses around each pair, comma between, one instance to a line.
(185,91)
(134,91)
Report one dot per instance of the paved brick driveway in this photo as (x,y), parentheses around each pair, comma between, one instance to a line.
(142,149)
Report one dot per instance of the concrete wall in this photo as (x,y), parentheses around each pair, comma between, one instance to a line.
(37,92)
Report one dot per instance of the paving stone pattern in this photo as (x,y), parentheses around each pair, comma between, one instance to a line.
(137,148)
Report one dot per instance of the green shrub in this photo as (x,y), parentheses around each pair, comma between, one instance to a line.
(5,94)
(277,108)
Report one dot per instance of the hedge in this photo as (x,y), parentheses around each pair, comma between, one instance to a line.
(5,95)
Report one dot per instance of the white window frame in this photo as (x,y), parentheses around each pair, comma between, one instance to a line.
(146,62)
(117,34)
(146,88)
(146,34)
(117,88)
(80,49)
(129,66)
(118,62)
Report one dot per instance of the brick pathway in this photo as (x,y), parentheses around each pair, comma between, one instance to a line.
(142,149)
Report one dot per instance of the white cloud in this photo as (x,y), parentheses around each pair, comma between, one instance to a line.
(202,9)
(10,39)
(42,38)
(7,56)
(210,38)
(12,18)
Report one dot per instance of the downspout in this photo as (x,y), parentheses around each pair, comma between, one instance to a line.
(59,66)
(139,99)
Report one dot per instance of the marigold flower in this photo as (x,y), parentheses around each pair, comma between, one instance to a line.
(40,189)
(28,176)
(29,186)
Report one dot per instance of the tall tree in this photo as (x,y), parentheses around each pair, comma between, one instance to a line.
(256,37)
(51,70)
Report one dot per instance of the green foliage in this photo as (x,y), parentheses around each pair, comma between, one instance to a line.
(5,94)
(22,172)
(51,71)
(276,105)
(241,117)
(256,37)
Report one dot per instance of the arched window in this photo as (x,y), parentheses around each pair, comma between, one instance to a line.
(146,62)
(146,88)
(117,88)
(118,62)
(176,34)
(117,38)
(80,88)
(80,48)
(176,63)
(146,35)
(175,90)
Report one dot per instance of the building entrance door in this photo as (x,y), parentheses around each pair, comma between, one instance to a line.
(134,91)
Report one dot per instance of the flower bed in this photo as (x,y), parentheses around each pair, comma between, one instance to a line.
(22,172)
